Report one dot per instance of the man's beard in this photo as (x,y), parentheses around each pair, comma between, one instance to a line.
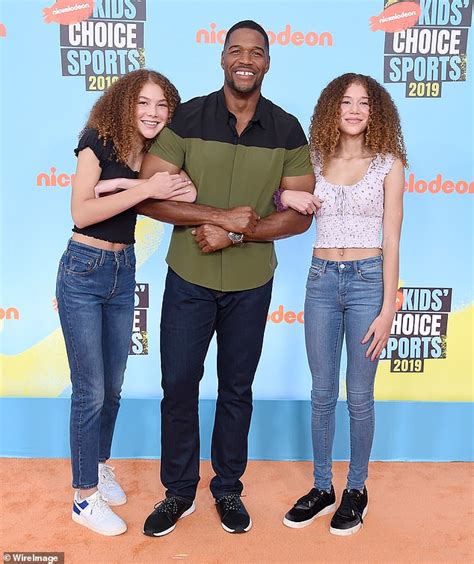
(244,89)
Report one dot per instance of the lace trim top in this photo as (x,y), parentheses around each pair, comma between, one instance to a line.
(351,216)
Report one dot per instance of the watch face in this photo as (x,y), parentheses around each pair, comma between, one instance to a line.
(236,237)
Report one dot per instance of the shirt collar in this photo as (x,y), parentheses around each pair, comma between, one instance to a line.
(261,111)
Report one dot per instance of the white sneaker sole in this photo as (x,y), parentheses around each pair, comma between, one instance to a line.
(301,524)
(81,521)
(352,530)
(192,509)
(237,532)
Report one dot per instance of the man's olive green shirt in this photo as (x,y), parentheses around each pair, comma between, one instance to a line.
(229,170)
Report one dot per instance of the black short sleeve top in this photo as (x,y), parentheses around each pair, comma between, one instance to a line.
(121,227)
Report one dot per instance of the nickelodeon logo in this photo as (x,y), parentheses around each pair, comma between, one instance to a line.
(438,185)
(9,314)
(284,38)
(282,316)
(52,179)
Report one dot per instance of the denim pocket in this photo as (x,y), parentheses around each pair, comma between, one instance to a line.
(314,273)
(79,264)
(372,274)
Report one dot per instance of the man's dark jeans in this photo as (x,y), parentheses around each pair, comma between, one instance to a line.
(190,316)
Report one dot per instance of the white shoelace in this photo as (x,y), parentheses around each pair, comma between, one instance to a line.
(99,506)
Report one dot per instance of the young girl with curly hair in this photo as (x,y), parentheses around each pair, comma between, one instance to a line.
(359,157)
(96,278)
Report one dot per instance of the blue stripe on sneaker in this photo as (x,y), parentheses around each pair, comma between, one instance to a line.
(82,504)
(75,509)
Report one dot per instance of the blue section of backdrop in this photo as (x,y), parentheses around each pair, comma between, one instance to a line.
(42,114)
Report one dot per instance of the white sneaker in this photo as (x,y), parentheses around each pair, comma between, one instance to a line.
(109,487)
(95,514)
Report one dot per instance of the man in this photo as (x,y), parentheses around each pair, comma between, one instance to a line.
(238,148)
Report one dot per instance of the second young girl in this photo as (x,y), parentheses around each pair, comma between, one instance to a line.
(359,158)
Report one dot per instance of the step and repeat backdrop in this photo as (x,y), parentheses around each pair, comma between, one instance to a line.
(56,59)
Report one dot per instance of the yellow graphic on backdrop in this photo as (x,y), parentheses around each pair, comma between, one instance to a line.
(443,379)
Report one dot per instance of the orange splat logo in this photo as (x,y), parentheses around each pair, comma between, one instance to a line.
(396,17)
(67,12)
(3,30)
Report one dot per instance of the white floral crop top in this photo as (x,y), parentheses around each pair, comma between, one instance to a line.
(351,216)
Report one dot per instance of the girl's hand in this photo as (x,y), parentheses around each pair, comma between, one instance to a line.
(163,186)
(302,202)
(379,330)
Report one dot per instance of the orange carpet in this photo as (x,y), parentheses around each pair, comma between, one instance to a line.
(418,512)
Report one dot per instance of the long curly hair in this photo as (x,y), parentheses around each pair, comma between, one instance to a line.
(114,113)
(384,132)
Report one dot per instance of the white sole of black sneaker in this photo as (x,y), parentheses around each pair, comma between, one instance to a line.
(81,521)
(301,524)
(352,530)
(192,509)
(237,532)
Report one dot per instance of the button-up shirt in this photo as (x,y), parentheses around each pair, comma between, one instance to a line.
(229,170)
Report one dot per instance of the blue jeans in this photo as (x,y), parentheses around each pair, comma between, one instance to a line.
(191,315)
(342,300)
(95,292)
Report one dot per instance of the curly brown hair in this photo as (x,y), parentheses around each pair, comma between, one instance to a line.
(114,113)
(384,132)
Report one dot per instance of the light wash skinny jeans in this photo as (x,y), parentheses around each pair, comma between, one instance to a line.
(342,300)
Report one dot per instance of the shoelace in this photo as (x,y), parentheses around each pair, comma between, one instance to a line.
(231,502)
(349,504)
(107,475)
(310,498)
(167,505)
(99,506)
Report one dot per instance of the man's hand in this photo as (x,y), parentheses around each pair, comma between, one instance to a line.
(240,220)
(211,238)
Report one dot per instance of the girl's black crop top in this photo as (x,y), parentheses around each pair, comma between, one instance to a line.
(121,227)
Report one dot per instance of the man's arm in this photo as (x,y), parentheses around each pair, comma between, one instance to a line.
(242,219)
(278,225)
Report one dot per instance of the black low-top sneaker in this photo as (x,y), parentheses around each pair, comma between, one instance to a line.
(234,516)
(350,514)
(165,516)
(314,504)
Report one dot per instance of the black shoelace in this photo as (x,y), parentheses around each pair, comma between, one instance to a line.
(311,498)
(231,502)
(349,504)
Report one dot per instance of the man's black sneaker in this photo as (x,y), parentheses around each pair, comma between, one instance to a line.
(165,515)
(350,514)
(314,504)
(234,516)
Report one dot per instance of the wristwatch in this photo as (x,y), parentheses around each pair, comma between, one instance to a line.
(236,238)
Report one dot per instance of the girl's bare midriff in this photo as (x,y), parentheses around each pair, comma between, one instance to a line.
(346,254)
(98,243)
